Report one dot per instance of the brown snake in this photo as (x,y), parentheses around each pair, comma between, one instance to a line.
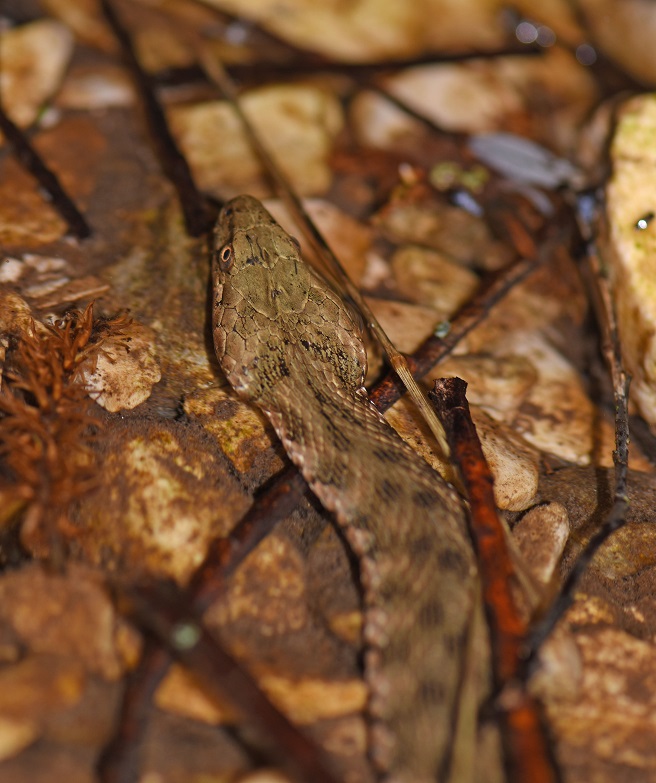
(287,343)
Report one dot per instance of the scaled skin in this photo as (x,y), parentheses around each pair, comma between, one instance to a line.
(287,342)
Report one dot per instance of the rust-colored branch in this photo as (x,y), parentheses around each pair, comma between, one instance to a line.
(526,748)
(224,556)
(497,571)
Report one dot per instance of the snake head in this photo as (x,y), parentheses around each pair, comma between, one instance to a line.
(261,285)
(271,312)
(257,262)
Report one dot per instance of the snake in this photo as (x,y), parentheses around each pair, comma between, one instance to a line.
(288,343)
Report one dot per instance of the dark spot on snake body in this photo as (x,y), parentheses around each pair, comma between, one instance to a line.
(453,645)
(432,691)
(360,520)
(387,456)
(305,344)
(399,648)
(418,546)
(283,369)
(275,292)
(336,474)
(251,260)
(451,560)
(425,498)
(341,441)
(389,490)
(295,428)
(431,615)
(323,399)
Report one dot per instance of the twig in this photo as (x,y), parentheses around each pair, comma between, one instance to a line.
(225,555)
(119,760)
(526,748)
(388,390)
(605,310)
(497,571)
(30,159)
(165,613)
(198,217)
(264,72)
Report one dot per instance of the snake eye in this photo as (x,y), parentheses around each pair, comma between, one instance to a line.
(225,257)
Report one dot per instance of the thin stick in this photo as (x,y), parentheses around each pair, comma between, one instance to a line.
(217,74)
(616,518)
(164,612)
(192,202)
(225,555)
(32,162)
(119,760)
(527,752)
(434,349)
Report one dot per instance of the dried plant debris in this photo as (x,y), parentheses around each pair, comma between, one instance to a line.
(48,281)
(48,423)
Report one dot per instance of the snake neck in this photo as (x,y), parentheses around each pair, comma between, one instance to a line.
(407,528)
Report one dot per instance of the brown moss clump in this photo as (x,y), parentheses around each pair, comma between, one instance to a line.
(47,426)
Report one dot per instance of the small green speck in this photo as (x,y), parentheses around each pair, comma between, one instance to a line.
(475,178)
(442,329)
(184,636)
(451,175)
(444,175)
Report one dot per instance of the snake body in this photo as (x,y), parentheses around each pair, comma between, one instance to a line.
(287,343)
